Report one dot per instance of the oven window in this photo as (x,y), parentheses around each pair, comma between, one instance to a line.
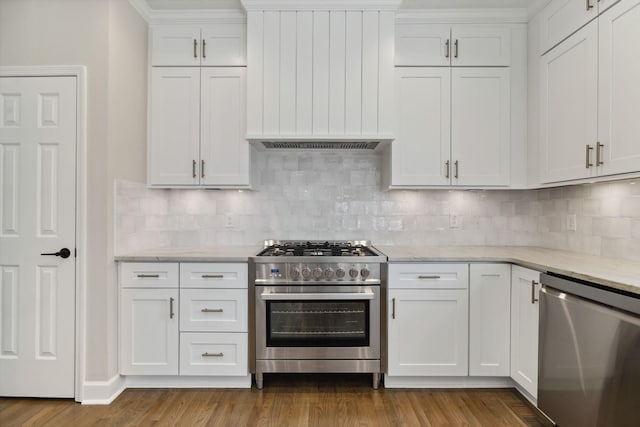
(318,323)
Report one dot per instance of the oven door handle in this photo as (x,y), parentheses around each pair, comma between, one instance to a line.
(318,296)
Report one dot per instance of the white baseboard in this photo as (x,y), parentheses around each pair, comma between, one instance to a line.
(448,382)
(102,392)
(158,381)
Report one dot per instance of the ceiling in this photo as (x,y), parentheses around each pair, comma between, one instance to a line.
(406,4)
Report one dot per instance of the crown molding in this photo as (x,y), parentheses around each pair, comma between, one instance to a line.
(188,16)
(462,16)
(321,4)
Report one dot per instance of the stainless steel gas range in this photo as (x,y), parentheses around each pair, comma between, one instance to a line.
(317,308)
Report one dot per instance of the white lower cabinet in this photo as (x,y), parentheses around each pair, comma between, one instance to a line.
(221,354)
(525,288)
(184,319)
(149,332)
(428,321)
(489,319)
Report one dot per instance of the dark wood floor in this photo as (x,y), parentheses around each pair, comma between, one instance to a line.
(286,400)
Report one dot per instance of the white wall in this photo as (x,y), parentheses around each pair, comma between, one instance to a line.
(92,33)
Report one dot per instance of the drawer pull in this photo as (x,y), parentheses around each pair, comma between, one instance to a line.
(533,292)
(490,275)
(212,354)
(148,276)
(428,277)
(212,310)
(171,313)
(213,276)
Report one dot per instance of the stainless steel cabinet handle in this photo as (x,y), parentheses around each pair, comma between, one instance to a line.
(589,5)
(204,49)
(171,313)
(490,275)
(193,168)
(455,54)
(448,164)
(447,48)
(212,310)
(393,308)
(588,163)
(428,277)
(457,169)
(148,276)
(599,154)
(213,276)
(533,291)
(202,168)
(195,48)
(212,354)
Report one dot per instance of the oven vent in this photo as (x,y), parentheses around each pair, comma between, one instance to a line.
(321,145)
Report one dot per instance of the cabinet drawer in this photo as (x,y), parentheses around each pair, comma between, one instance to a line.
(213,275)
(214,354)
(148,275)
(429,276)
(215,310)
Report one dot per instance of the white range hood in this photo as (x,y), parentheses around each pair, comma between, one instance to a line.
(320,73)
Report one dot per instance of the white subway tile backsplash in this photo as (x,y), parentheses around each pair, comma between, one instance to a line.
(337,195)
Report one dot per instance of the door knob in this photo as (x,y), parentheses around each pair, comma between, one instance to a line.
(64,253)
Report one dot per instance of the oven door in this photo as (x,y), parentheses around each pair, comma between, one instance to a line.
(317,322)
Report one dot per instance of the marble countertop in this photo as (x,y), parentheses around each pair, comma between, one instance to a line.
(610,272)
(193,254)
(614,273)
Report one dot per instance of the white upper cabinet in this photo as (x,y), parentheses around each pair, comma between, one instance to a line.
(561,18)
(588,125)
(618,94)
(197,127)
(319,74)
(219,45)
(457,45)
(453,127)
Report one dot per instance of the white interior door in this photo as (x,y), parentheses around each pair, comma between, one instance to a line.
(37,215)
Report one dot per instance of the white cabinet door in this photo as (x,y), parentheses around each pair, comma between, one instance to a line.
(224,153)
(562,17)
(175,46)
(149,332)
(428,276)
(569,107)
(524,328)
(619,96)
(480,126)
(422,147)
(428,332)
(174,131)
(224,45)
(423,45)
(213,275)
(480,45)
(489,319)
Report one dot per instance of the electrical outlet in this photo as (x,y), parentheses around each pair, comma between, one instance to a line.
(228,222)
(572,224)
(455,221)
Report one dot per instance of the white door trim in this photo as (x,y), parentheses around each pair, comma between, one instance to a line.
(80,73)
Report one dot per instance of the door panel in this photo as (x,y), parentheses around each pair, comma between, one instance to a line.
(37,213)
(619,93)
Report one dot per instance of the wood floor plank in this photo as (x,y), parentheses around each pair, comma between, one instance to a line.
(286,401)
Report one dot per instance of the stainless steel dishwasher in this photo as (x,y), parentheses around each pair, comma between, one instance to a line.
(589,354)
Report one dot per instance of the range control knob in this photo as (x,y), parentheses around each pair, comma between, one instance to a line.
(353,273)
(328,274)
(295,273)
(317,273)
(340,273)
(306,273)
(365,273)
